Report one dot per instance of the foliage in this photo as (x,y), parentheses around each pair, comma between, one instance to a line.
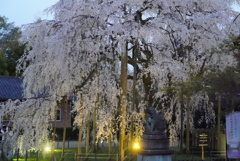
(10,48)
(233,45)
(225,82)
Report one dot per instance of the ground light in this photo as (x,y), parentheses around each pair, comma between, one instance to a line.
(136,146)
(47,149)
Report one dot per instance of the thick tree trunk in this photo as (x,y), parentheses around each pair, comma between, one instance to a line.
(123,105)
(147,87)
(135,53)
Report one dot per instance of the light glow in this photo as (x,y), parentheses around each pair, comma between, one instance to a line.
(136,146)
(47,149)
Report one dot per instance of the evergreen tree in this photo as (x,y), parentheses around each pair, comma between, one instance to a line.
(10,48)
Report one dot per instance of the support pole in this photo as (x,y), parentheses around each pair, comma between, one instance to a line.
(65,126)
(202,153)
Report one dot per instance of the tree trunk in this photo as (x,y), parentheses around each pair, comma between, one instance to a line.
(79,142)
(232,104)
(219,123)
(54,132)
(94,124)
(95,111)
(123,105)
(135,53)
(65,125)
(110,140)
(147,87)
(88,134)
(80,133)
(181,125)
(188,126)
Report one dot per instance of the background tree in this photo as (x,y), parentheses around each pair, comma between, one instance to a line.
(224,85)
(10,48)
(187,55)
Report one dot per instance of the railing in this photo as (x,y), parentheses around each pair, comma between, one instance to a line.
(196,156)
(71,155)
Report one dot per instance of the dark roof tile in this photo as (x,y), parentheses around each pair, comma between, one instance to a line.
(10,88)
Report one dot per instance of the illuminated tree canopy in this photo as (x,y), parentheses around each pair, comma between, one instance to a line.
(78,54)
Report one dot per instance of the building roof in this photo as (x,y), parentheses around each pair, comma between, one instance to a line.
(10,88)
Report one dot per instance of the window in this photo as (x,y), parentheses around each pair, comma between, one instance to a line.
(58,115)
(6,118)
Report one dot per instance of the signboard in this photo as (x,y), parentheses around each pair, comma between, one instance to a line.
(233,135)
(203,139)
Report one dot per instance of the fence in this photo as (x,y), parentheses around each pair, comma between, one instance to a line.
(73,143)
(71,155)
(196,156)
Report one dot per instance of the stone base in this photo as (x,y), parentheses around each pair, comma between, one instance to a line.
(154,142)
(154,157)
